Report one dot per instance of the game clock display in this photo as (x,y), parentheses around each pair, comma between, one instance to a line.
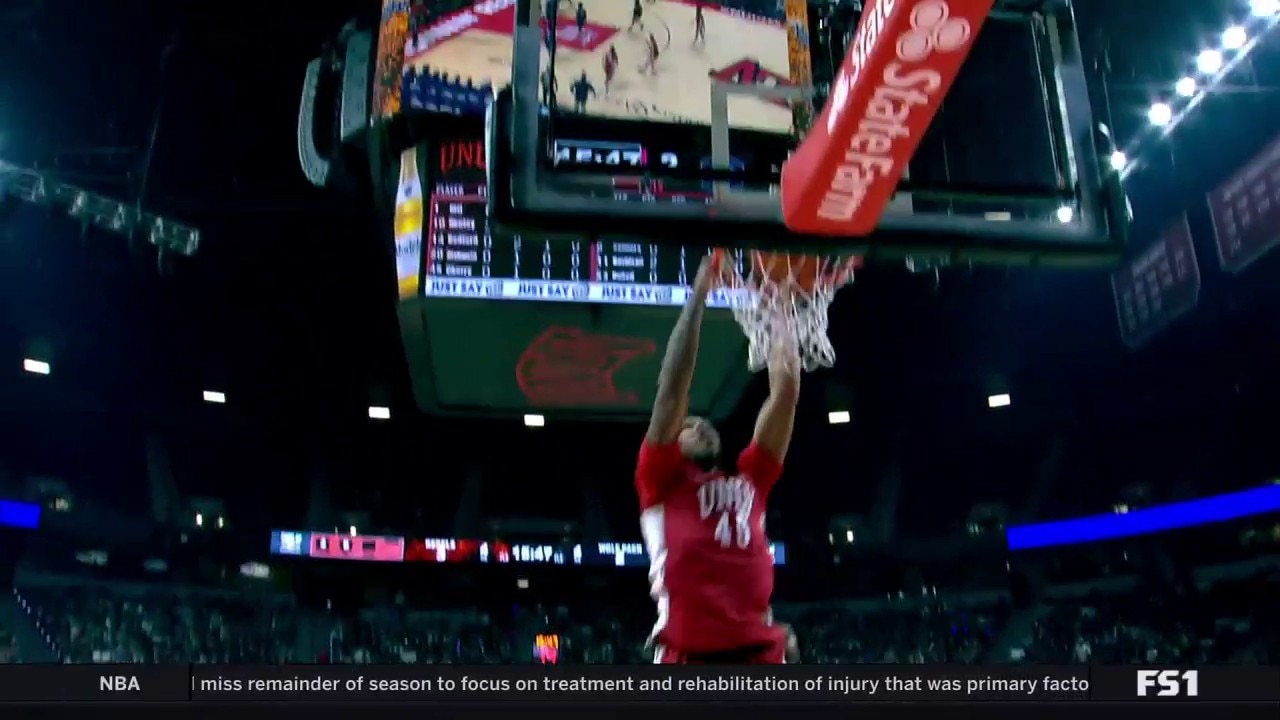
(605,154)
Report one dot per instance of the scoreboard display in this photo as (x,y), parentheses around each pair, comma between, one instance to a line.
(592,312)
(467,258)
(464,256)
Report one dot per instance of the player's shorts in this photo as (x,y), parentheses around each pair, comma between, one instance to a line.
(770,654)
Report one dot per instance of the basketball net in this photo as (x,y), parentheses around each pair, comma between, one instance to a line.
(781,302)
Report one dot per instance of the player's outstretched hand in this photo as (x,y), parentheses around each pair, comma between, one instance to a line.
(708,273)
(784,360)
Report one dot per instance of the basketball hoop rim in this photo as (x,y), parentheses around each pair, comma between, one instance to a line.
(837,269)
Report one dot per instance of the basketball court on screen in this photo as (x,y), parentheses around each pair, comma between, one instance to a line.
(679,92)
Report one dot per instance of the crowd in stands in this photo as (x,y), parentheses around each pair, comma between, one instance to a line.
(1232,621)
(8,645)
(931,633)
(95,623)
(430,90)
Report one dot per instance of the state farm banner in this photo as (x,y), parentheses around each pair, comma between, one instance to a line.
(1246,210)
(1158,286)
(898,69)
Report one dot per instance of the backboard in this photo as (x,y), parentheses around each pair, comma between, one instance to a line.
(994,154)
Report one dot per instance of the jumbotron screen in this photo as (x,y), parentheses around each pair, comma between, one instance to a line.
(446,246)
(656,66)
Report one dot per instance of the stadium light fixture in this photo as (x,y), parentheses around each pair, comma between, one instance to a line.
(1065,213)
(1234,37)
(35,367)
(213,396)
(1118,161)
(1208,68)
(352,531)
(377,412)
(113,216)
(1160,114)
(999,401)
(199,519)
(838,417)
(1209,62)
(534,421)
(1264,8)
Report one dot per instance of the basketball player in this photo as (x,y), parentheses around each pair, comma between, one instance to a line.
(710,570)
(651,60)
(582,90)
(610,67)
(699,26)
(637,16)
(550,88)
(581,18)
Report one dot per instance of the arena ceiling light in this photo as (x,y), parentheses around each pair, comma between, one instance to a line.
(1209,62)
(1264,8)
(1118,161)
(1234,37)
(213,396)
(1160,114)
(35,367)
(838,417)
(377,412)
(534,421)
(999,401)
(1206,71)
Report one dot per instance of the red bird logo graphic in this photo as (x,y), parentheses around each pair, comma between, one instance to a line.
(570,366)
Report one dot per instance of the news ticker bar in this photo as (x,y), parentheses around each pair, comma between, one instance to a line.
(646,683)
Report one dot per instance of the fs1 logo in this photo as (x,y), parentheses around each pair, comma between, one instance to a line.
(1169,683)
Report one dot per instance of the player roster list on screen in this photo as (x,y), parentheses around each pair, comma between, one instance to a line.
(463,257)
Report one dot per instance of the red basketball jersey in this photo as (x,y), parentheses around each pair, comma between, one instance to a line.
(710,570)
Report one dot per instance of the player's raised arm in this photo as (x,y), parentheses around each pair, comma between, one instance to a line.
(672,402)
(777,417)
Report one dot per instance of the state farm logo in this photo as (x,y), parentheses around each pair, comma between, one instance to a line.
(895,94)
(932,28)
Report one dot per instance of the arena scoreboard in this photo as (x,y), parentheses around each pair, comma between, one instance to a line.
(464,255)
(495,320)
